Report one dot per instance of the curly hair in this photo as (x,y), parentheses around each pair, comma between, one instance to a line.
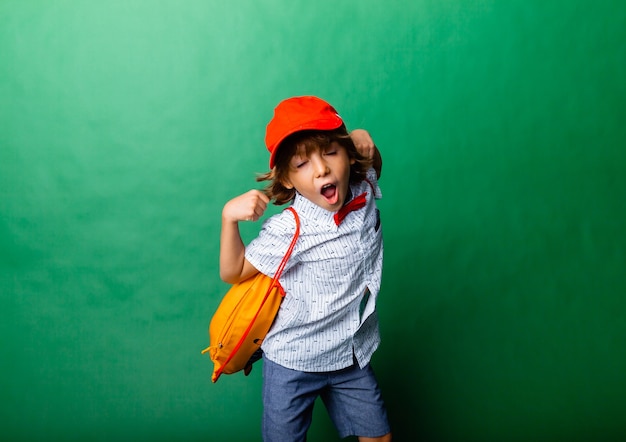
(311,140)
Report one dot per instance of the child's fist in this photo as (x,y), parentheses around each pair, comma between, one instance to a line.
(247,207)
(363,143)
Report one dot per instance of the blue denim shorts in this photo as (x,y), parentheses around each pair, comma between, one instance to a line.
(351,396)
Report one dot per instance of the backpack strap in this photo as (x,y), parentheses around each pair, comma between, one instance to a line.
(282,264)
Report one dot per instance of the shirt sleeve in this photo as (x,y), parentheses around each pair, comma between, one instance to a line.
(373,180)
(267,250)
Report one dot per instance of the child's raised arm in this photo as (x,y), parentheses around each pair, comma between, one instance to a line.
(247,207)
(366,147)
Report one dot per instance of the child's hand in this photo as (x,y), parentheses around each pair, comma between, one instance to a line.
(247,207)
(363,143)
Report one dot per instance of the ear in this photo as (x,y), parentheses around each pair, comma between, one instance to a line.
(286,183)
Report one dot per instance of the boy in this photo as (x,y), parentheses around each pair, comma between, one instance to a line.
(326,330)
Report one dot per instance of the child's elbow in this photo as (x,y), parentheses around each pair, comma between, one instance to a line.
(235,274)
(228,277)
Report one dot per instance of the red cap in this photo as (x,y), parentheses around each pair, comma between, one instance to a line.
(296,114)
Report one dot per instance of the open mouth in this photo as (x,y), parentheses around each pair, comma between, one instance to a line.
(330,194)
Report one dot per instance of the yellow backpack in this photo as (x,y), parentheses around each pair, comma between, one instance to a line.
(244,317)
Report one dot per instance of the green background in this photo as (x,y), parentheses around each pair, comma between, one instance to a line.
(126,125)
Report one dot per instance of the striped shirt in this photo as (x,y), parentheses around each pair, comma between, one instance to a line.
(328,316)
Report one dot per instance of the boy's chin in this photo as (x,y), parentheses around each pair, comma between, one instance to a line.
(330,207)
(325,204)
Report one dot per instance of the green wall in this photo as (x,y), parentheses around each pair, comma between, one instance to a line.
(126,125)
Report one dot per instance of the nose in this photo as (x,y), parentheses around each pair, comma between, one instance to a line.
(320,167)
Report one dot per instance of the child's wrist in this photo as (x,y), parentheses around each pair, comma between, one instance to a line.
(228,219)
